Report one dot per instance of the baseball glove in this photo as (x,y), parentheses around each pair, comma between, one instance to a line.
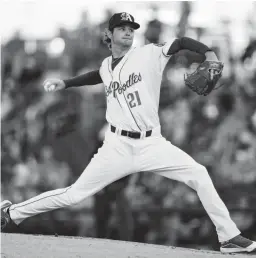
(203,81)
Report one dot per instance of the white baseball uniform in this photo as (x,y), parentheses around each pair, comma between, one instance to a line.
(132,92)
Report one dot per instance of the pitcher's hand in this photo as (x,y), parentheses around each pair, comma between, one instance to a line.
(53,85)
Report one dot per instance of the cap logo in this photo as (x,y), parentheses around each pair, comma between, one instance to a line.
(126,17)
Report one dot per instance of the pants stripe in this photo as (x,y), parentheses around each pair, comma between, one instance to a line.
(40,199)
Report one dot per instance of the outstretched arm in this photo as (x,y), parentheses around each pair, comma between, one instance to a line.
(90,78)
(192,45)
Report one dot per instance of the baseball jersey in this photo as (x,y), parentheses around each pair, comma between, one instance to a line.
(133,87)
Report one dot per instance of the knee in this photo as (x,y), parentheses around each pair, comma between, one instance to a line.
(201,170)
(74,195)
(201,177)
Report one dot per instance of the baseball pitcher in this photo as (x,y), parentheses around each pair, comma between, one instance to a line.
(133,142)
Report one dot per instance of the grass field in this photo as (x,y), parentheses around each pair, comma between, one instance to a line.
(35,246)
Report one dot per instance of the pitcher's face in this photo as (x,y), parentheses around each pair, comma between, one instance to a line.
(123,36)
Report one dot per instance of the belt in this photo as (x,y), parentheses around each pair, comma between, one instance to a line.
(135,135)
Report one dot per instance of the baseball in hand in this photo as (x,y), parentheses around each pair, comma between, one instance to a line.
(50,87)
(53,85)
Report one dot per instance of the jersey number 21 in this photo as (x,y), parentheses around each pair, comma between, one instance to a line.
(134,99)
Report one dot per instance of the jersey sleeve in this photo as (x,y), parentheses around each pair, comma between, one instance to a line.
(103,65)
(100,70)
(159,54)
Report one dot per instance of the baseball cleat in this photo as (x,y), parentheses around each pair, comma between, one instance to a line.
(238,244)
(5,217)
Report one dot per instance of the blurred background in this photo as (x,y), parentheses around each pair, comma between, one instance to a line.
(47,139)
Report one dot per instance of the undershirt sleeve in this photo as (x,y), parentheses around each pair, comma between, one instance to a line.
(90,78)
(189,44)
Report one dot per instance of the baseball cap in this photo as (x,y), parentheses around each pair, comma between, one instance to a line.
(122,18)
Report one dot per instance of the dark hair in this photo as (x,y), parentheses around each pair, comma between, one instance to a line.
(106,39)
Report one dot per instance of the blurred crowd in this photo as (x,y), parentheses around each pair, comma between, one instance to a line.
(49,138)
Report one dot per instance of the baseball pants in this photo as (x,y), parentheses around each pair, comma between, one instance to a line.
(120,156)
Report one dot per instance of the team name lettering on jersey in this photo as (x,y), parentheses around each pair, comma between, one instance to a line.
(114,86)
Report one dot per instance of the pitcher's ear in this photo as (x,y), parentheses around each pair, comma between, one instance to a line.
(108,33)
